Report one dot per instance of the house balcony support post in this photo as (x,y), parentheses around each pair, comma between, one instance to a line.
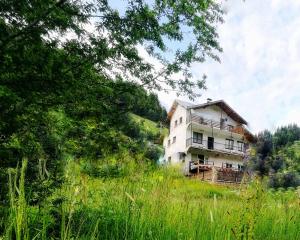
(214,177)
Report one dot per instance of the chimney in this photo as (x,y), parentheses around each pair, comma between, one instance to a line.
(208,100)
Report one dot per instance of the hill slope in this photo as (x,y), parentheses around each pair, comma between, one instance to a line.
(149,126)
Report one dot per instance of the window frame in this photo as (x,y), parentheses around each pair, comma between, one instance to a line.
(240,167)
(240,146)
(196,139)
(228,165)
(229,144)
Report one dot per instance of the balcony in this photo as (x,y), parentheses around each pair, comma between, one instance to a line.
(215,147)
(195,118)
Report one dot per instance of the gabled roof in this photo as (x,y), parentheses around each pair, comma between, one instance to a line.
(220,103)
(176,103)
(223,105)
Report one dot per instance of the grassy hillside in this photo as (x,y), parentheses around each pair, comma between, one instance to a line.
(149,126)
(126,197)
(157,204)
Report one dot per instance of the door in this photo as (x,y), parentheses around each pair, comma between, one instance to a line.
(210,143)
(201,159)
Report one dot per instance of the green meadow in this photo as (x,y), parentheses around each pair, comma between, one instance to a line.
(152,203)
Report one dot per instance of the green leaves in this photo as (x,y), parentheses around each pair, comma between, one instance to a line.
(71,71)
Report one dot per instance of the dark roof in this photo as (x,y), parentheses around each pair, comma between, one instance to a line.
(222,104)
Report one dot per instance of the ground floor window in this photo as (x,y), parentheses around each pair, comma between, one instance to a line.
(182,156)
(201,158)
(228,165)
(169,159)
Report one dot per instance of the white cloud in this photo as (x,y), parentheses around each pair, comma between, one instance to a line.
(259,74)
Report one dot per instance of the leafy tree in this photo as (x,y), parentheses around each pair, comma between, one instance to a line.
(65,92)
(277,156)
(112,45)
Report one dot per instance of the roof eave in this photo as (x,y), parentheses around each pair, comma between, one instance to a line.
(240,118)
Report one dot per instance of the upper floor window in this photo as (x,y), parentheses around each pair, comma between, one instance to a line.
(180,120)
(229,144)
(230,127)
(197,137)
(176,122)
(169,143)
(174,139)
(240,146)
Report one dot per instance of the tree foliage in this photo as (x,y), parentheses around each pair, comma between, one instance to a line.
(277,155)
(71,72)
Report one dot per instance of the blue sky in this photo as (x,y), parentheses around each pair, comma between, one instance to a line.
(259,75)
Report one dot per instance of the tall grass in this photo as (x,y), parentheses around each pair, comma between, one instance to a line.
(17,224)
(160,204)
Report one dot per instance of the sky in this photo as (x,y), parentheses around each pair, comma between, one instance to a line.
(259,73)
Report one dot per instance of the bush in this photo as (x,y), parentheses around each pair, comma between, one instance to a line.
(285,180)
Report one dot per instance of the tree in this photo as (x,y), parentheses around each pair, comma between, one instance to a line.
(112,45)
(62,89)
(277,156)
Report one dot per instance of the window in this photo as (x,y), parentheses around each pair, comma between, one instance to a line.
(176,122)
(228,165)
(230,127)
(229,144)
(197,137)
(180,120)
(240,167)
(174,139)
(169,159)
(240,146)
(169,143)
(182,156)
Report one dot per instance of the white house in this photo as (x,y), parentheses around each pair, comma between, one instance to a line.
(207,139)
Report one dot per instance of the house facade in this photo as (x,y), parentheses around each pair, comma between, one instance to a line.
(210,140)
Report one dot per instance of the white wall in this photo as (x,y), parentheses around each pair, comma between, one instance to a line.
(215,113)
(183,132)
(179,132)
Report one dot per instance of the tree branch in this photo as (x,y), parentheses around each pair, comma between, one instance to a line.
(31,25)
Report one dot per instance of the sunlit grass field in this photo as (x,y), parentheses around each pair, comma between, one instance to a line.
(155,204)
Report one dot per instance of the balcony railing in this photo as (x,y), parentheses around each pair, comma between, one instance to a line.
(215,146)
(195,118)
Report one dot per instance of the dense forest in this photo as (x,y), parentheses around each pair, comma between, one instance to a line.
(277,155)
